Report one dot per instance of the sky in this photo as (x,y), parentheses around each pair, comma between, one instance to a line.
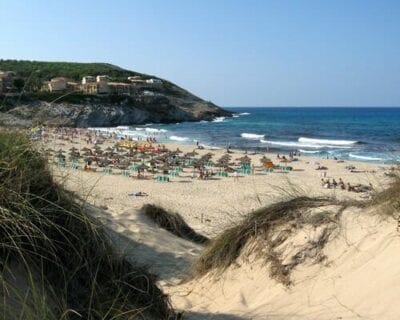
(231,52)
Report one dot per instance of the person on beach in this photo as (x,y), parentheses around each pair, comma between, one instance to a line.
(235,176)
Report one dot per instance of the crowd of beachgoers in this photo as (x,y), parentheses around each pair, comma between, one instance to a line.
(145,158)
(102,152)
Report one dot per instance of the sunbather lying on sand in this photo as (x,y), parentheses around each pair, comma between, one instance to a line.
(138,194)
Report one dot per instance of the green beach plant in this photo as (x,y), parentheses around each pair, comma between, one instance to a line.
(72,270)
(172,222)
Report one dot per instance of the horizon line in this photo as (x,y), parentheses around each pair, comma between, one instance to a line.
(325,106)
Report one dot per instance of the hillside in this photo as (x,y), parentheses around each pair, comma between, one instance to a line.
(163,103)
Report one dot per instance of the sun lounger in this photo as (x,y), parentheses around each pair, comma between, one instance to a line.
(106,170)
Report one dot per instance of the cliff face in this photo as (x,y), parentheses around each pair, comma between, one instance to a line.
(98,113)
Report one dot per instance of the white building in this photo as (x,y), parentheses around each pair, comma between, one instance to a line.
(102,78)
(57,84)
(153,81)
(103,84)
(88,79)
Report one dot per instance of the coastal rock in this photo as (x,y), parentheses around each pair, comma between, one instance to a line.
(100,112)
(147,99)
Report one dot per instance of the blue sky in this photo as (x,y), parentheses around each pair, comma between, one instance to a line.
(234,53)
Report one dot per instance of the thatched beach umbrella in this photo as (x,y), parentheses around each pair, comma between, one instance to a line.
(229,169)
(142,167)
(245,159)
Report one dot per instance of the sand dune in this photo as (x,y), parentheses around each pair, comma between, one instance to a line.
(360,279)
(354,276)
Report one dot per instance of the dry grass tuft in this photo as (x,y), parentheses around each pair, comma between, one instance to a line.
(265,229)
(388,200)
(172,222)
(75,272)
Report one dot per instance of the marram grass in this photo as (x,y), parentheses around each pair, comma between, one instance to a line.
(56,261)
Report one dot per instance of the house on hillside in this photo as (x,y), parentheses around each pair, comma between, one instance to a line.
(58,84)
(137,81)
(7,81)
(88,79)
(153,81)
(95,85)
(120,88)
(103,84)
(73,86)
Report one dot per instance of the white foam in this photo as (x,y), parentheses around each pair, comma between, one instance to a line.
(177,138)
(235,116)
(154,130)
(210,147)
(219,119)
(244,114)
(295,144)
(123,127)
(309,151)
(252,136)
(356,156)
(326,142)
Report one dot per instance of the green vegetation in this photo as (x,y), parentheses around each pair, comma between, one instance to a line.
(172,222)
(267,228)
(56,261)
(38,71)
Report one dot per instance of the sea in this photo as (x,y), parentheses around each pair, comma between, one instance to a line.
(364,133)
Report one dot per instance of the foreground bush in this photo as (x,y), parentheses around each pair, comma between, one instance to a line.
(60,254)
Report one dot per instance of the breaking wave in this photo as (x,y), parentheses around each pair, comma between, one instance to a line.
(252,136)
(219,119)
(178,138)
(326,142)
(356,156)
(298,144)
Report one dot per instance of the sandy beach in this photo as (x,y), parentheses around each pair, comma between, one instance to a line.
(211,205)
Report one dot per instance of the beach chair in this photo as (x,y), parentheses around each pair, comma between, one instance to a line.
(162,179)
(126,173)
(60,163)
(174,173)
(133,168)
(106,170)
(222,174)
(189,162)
(74,164)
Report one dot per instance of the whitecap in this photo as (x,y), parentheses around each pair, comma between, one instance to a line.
(210,147)
(295,144)
(177,138)
(252,136)
(326,142)
(244,114)
(309,151)
(356,156)
(219,119)
(154,130)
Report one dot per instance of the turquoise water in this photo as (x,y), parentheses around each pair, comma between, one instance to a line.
(366,134)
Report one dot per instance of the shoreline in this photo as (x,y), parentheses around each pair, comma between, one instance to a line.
(338,150)
(213,204)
